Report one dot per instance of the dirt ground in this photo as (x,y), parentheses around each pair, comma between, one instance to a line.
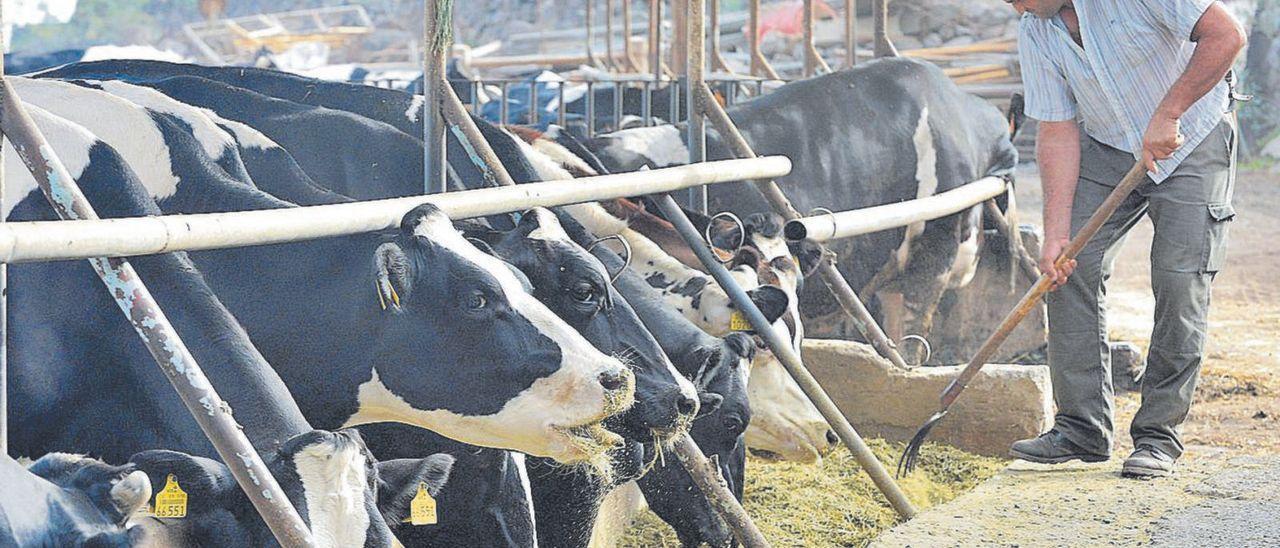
(1225,490)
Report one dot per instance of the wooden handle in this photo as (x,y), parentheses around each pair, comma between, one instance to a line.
(1131,180)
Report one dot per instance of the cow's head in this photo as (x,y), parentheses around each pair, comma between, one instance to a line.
(576,286)
(465,350)
(668,488)
(94,503)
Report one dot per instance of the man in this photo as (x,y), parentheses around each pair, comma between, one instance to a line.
(1113,82)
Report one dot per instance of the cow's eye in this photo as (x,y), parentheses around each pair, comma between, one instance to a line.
(477,301)
(583,292)
(733,424)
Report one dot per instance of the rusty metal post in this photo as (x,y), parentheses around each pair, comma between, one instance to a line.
(679,36)
(696,41)
(4,290)
(609,59)
(201,400)
(880,19)
(789,357)
(591,56)
(655,39)
(437,35)
(709,480)
(482,155)
(759,65)
(626,37)
(717,61)
(850,33)
(812,59)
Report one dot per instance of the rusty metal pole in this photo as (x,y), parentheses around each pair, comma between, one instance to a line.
(626,37)
(759,66)
(679,36)
(696,41)
(609,60)
(201,400)
(789,357)
(4,289)
(880,19)
(709,480)
(850,33)
(591,56)
(655,39)
(482,155)
(849,300)
(717,61)
(437,34)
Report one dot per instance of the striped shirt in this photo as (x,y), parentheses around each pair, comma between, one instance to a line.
(1134,50)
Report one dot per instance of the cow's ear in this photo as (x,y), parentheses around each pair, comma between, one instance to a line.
(202,479)
(392,274)
(398,482)
(772,301)
(1016,114)
(808,254)
(131,493)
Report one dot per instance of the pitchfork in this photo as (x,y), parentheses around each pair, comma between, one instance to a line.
(949,396)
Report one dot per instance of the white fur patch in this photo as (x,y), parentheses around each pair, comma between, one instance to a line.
(123,125)
(662,145)
(70,142)
(926,180)
(414,113)
(246,136)
(562,155)
(334,482)
(212,139)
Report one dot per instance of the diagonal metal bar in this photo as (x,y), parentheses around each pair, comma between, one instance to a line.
(161,339)
(708,479)
(790,359)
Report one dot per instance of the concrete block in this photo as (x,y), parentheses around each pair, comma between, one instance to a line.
(1127,366)
(1003,404)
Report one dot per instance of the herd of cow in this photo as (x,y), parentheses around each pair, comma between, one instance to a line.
(522,370)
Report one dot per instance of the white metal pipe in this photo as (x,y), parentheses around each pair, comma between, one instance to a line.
(59,240)
(845,224)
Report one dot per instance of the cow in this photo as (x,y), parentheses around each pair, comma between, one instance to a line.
(81,380)
(69,500)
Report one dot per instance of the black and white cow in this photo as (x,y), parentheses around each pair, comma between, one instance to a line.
(858,126)
(81,380)
(69,500)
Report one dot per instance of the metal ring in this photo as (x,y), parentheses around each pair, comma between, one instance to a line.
(626,246)
(928,350)
(829,213)
(742,232)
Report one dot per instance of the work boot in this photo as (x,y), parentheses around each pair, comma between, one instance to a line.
(1052,448)
(1147,462)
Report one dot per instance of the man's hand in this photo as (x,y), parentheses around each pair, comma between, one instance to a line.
(1049,253)
(1161,140)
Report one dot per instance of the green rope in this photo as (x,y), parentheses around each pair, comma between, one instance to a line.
(444,26)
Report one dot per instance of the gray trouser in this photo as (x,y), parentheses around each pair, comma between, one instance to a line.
(1190,210)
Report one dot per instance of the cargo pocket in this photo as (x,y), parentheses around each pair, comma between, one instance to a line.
(1216,253)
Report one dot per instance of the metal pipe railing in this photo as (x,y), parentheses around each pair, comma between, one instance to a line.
(60,240)
(713,487)
(812,59)
(717,61)
(759,65)
(856,222)
(849,302)
(850,33)
(485,158)
(696,41)
(158,335)
(880,18)
(434,43)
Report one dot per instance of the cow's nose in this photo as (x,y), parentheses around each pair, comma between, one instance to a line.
(832,438)
(686,405)
(613,380)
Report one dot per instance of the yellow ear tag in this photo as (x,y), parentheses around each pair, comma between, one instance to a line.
(171,502)
(738,322)
(422,509)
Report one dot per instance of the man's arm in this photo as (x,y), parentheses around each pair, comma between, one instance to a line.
(1058,155)
(1219,39)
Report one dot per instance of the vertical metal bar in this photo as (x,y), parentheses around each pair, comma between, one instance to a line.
(809,63)
(759,66)
(696,41)
(561,115)
(617,105)
(4,289)
(533,103)
(435,43)
(591,56)
(673,102)
(655,39)
(646,102)
(475,97)
(626,37)
(850,33)
(158,335)
(759,88)
(679,36)
(610,61)
(880,18)
(717,61)
(591,108)
(502,108)
(790,359)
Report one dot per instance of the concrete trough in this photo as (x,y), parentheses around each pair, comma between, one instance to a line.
(1003,404)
